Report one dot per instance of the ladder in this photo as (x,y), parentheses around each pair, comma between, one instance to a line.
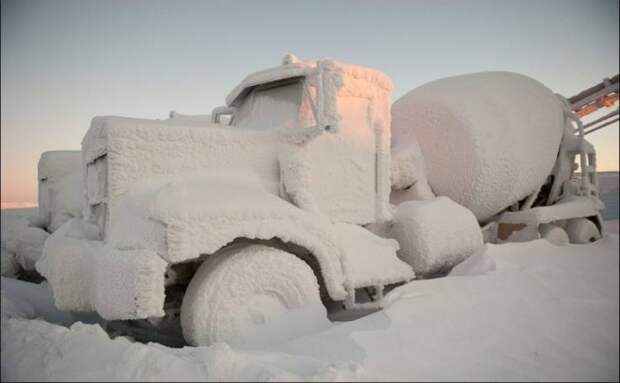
(601,95)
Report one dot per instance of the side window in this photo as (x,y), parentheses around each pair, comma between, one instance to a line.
(272,106)
(97,180)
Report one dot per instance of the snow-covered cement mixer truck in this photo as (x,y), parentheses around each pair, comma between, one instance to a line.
(248,225)
(505,147)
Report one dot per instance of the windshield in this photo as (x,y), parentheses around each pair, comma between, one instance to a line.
(273,105)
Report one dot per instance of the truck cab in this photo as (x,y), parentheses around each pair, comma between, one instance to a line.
(335,121)
(288,182)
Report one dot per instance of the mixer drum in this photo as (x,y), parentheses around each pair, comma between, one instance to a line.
(488,139)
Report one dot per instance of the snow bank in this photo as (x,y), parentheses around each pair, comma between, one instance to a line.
(25,242)
(477,264)
(28,300)
(545,313)
(60,188)
(36,346)
(14,217)
(435,235)
(488,139)
(13,222)
(34,350)
(29,245)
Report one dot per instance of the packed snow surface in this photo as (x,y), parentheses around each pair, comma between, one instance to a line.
(488,139)
(609,191)
(521,311)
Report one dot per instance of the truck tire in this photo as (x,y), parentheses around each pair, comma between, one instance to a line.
(582,230)
(554,234)
(251,296)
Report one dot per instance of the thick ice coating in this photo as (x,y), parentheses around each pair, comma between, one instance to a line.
(488,139)
(162,192)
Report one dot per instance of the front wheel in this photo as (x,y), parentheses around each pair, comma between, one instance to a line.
(251,296)
(582,230)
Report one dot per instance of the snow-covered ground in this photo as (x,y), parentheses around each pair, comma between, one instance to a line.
(609,190)
(528,311)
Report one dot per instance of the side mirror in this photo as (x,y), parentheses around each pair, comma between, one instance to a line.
(221,111)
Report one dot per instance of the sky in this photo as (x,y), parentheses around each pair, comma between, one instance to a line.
(64,62)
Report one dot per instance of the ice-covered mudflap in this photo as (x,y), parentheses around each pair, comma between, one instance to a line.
(370,264)
(435,235)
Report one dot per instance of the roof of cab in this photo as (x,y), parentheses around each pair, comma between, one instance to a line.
(302,69)
(278,73)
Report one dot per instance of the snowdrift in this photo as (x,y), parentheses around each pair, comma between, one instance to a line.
(23,243)
(488,139)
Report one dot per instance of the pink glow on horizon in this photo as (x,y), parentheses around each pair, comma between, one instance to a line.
(17,205)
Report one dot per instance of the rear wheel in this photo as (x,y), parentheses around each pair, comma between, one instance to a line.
(582,230)
(554,234)
(251,296)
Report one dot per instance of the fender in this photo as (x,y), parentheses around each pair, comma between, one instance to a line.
(202,215)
